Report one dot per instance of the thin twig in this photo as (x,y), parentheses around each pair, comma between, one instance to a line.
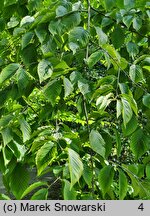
(54,182)
(89,22)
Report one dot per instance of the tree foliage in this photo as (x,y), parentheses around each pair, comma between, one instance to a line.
(75,97)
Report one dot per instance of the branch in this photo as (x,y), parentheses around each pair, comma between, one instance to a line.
(121,23)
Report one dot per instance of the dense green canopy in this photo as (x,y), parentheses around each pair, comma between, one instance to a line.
(75,98)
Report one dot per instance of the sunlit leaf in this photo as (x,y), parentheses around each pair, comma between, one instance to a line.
(8,72)
(52,90)
(122,185)
(41,194)
(126,111)
(27,20)
(67,86)
(97,143)
(33,187)
(45,70)
(102,37)
(69,192)
(94,58)
(75,166)
(79,37)
(26,39)
(132,49)
(137,23)
(136,73)
(45,156)
(148,171)
(25,128)
(119,108)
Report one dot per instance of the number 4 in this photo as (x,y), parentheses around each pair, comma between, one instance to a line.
(141,207)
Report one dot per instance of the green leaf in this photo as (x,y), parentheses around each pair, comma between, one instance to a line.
(123,185)
(8,3)
(75,166)
(119,108)
(17,149)
(75,76)
(94,58)
(69,192)
(25,128)
(138,143)
(115,56)
(103,101)
(26,39)
(146,100)
(29,55)
(105,178)
(8,72)
(126,111)
(53,90)
(137,23)
(19,180)
(13,22)
(127,20)
(78,36)
(76,6)
(70,21)
(5,120)
(148,171)
(102,37)
(2,24)
(33,187)
(6,135)
(107,80)
(4,197)
(106,22)
(73,47)
(108,143)
(61,10)
(97,143)
(120,3)
(136,73)
(83,87)
(118,33)
(45,70)
(41,194)
(124,88)
(128,4)
(130,127)
(45,156)
(26,20)
(147,67)
(7,156)
(132,102)
(109,4)
(87,174)
(135,181)
(132,49)
(67,86)
(118,142)
(41,33)
(65,23)
(23,80)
